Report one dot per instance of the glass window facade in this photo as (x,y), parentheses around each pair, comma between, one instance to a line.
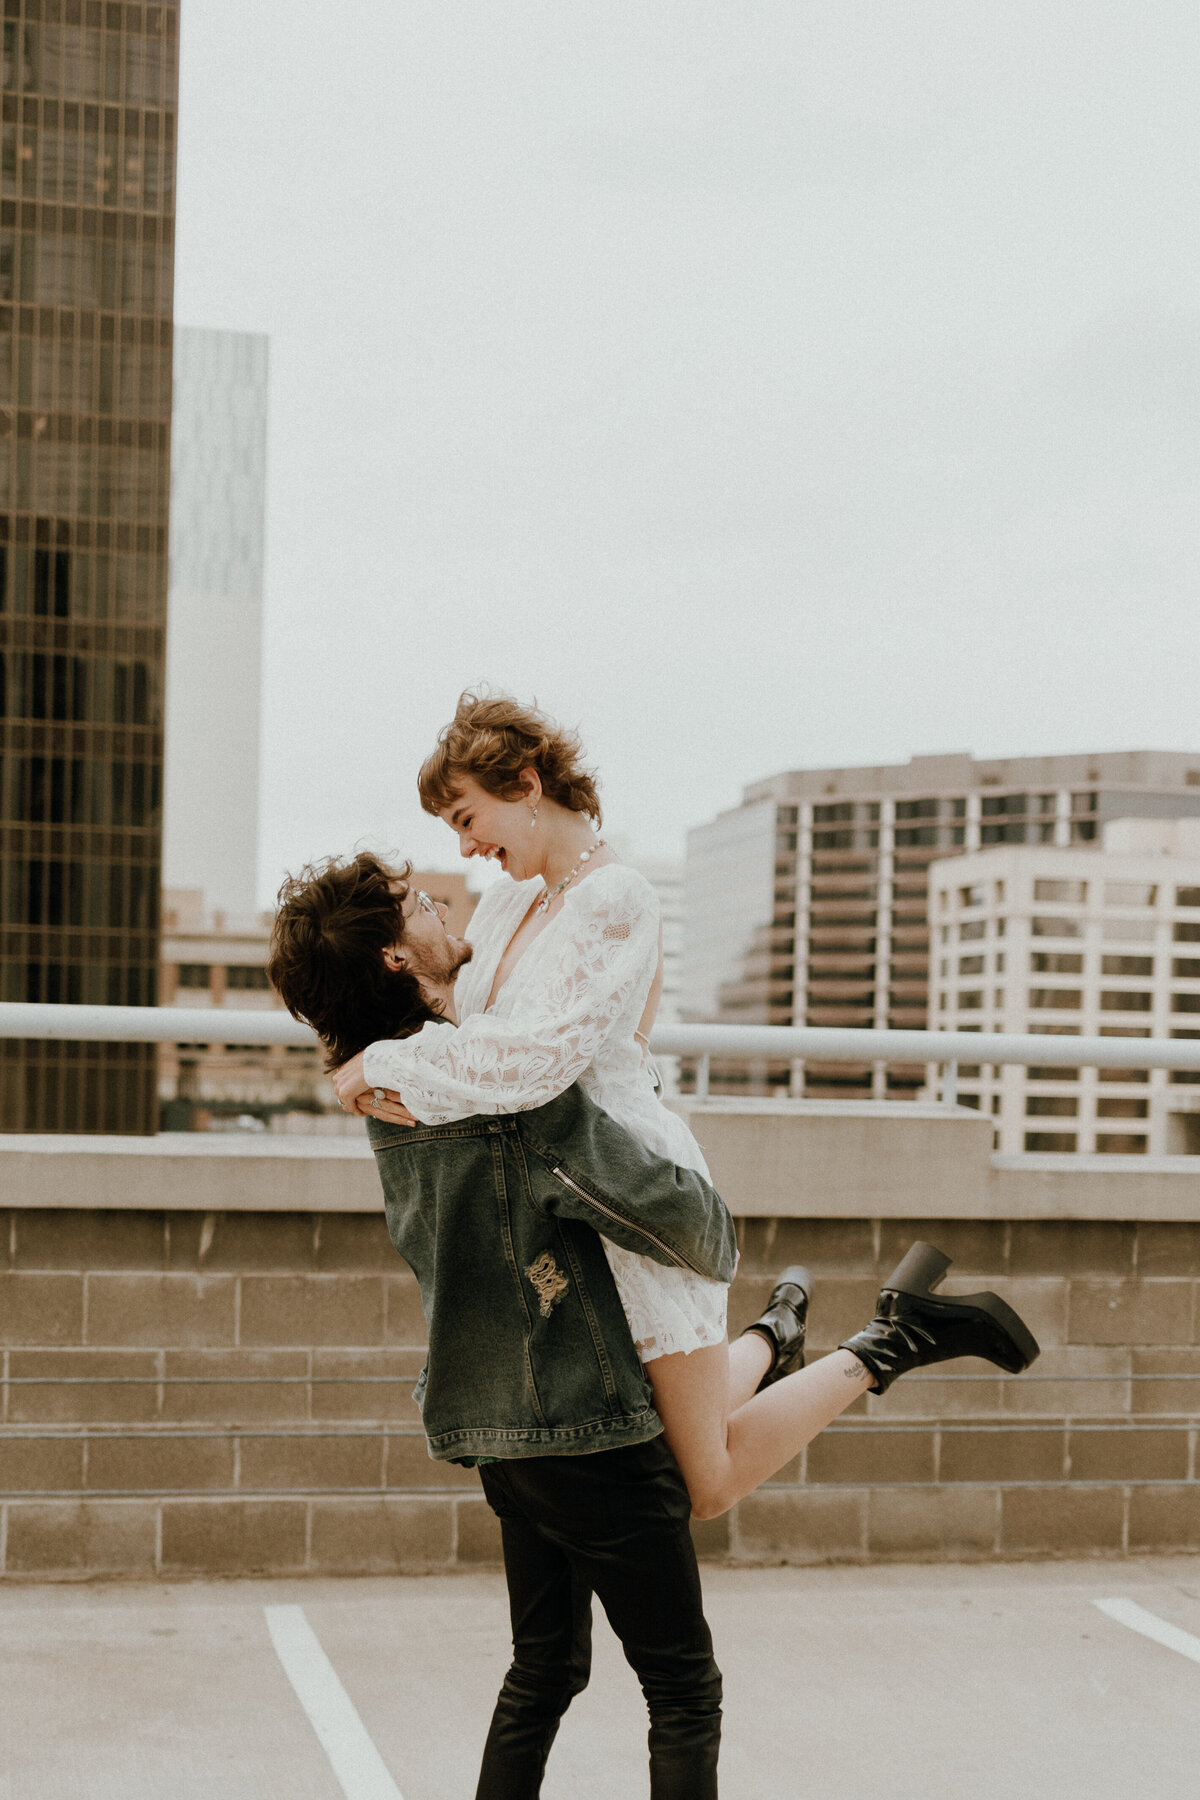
(87,167)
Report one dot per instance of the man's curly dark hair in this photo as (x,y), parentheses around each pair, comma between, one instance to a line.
(333,922)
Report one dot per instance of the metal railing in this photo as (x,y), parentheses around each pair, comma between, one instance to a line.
(794,1045)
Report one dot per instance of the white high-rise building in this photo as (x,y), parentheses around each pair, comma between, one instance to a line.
(215,617)
(1075,942)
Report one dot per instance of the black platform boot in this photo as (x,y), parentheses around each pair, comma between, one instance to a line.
(783,1324)
(913,1327)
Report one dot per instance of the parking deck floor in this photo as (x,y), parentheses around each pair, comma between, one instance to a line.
(920,1683)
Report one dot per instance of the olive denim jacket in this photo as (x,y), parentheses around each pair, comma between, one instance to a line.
(529,1349)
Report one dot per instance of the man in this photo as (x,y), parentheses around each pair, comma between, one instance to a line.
(532,1373)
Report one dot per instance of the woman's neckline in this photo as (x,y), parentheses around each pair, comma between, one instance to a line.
(495,992)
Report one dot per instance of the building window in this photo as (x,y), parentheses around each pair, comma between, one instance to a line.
(1118,1108)
(1049,1073)
(1111,1143)
(1129,893)
(1187,934)
(970,1000)
(1056,962)
(974,928)
(194,975)
(997,805)
(1116,1000)
(1185,1003)
(971,896)
(1186,968)
(1127,965)
(1187,896)
(970,965)
(1067,893)
(1046,803)
(1052,1106)
(1128,931)
(1056,928)
(245,976)
(1056,999)
(1083,803)
(1050,1140)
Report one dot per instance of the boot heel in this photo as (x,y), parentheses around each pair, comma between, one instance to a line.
(1026,1347)
(921,1269)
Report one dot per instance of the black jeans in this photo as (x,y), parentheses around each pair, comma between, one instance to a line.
(614,1524)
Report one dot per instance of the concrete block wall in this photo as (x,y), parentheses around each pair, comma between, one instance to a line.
(139,1434)
(1093,1451)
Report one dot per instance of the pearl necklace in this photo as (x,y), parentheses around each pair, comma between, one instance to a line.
(543,903)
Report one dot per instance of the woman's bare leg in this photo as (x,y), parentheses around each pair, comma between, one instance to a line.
(750,1356)
(726,1450)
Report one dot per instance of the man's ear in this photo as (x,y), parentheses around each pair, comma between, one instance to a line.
(394,960)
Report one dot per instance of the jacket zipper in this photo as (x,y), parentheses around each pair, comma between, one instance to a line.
(676,1256)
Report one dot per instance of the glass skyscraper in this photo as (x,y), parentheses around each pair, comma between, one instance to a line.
(87,197)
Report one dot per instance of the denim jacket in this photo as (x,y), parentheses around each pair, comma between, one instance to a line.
(529,1349)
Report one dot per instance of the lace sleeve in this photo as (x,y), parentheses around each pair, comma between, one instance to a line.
(605,959)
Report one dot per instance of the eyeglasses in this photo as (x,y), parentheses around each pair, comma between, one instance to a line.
(425,903)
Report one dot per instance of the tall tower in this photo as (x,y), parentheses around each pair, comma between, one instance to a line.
(87,202)
(214,644)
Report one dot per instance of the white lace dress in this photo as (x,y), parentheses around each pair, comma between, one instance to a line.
(567,1012)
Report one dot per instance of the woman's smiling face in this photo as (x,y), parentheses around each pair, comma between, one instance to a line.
(499,830)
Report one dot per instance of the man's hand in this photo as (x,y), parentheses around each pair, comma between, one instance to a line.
(354,1095)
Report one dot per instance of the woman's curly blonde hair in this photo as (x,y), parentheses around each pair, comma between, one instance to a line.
(491,739)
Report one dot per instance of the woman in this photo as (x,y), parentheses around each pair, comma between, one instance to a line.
(563,986)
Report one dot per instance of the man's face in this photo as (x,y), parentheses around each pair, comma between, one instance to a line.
(427,948)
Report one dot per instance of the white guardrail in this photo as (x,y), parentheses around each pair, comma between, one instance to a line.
(794,1044)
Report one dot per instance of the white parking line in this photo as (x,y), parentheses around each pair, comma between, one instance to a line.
(1128,1612)
(360,1769)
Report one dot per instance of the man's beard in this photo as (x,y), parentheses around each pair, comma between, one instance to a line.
(443,965)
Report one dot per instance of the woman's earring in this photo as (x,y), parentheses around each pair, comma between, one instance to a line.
(533,816)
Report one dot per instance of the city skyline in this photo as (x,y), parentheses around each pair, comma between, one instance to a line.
(808,903)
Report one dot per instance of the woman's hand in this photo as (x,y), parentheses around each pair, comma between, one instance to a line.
(354,1096)
(391,1108)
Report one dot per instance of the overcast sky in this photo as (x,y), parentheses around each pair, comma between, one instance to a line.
(759,385)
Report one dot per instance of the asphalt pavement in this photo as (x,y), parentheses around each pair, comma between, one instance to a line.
(914,1683)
